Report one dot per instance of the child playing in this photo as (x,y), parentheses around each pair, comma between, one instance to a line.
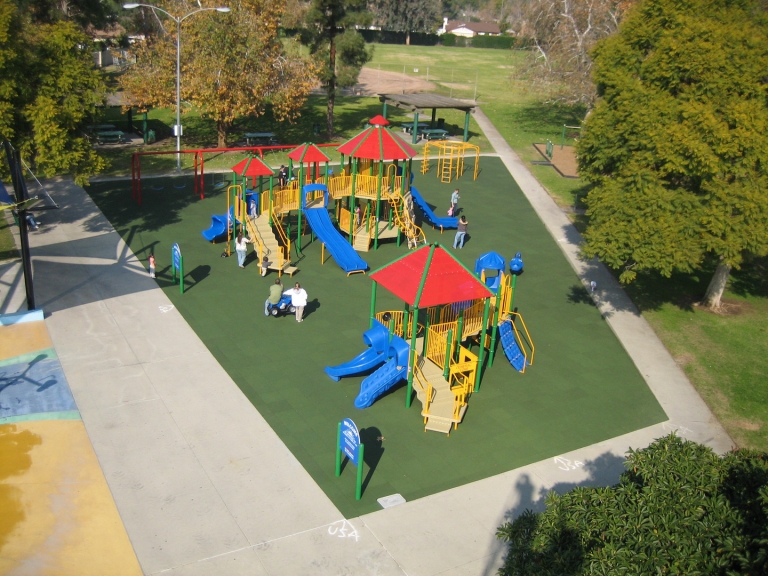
(152,266)
(264,266)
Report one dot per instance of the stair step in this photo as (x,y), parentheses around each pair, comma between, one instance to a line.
(290,270)
(438,425)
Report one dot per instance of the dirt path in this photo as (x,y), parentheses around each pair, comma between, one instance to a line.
(373,81)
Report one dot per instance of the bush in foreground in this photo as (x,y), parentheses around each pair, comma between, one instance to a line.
(678,509)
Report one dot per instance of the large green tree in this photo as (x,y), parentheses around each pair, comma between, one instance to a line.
(677,146)
(48,90)
(409,16)
(678,509)
(338,46)
(233,65)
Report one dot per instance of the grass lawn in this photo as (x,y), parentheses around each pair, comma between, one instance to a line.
(7,245)
(351,116)
(583,388)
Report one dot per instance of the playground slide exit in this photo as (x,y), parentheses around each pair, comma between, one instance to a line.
(429,215)
(343,253)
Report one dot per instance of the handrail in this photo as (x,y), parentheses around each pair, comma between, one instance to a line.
(413,233)
(429,391)
(529,340)
(286,243)
(253,232)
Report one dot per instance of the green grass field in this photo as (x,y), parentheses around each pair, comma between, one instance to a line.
(582,388)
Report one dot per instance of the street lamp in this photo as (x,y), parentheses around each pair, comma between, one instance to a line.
(178,20)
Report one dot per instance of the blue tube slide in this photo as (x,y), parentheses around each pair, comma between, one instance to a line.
(377,338)
(218,226)
(395,369)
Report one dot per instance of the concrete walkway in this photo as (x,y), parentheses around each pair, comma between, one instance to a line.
(202,483)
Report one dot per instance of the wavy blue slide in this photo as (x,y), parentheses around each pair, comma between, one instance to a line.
(342,252)
(430,216)
(218,226)
(511,348)
(378,340)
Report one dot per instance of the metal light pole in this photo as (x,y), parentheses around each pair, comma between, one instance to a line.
(178,20)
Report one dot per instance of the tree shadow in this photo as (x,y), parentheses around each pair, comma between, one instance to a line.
(15,447)
(547,118)
(605,470)
(751,279)
(578,294)
(373,440)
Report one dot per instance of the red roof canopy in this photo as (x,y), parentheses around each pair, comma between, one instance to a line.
(447,280)
(252,167)
(378,121)
(377,143)
(308,152)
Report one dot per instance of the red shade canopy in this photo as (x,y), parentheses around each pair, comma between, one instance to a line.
(378,121)
(446,280)
(252,167)
(377,143)
(308,152)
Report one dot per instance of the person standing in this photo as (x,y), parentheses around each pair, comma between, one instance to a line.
(275,293)
(265,265)
(282,175)
(460,233)
(454,201)
(241,248)
(298,300)
(152,266)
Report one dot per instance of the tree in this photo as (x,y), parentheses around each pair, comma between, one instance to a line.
(563,34)
(331,26)
(678,509)
(48,90)
(676,147)
(408,16)
(233,65)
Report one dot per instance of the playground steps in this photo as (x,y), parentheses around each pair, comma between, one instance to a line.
(440,417)
(261,227)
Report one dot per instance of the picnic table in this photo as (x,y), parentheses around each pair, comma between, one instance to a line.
(408,127)
(263,138)
(102,128)
(434,133)
(110,136)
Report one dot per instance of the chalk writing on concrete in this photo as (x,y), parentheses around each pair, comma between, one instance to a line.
(567,465)
(165,309)
(343,529)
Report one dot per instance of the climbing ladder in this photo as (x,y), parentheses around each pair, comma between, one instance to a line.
(413,233)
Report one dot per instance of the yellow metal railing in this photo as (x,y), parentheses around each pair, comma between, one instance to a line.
(528,340)
(284,251)
(344,220)
(366,186)
(285,198)
(340,186)
(413,233)
(426,388)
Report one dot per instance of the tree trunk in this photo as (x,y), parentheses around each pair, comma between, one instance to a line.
(222,128)
(408,38)
(716,286)
(331,85)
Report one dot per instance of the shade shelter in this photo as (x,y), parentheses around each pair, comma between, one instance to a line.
(311,155)
(420,103)
(426,279)
(377,144)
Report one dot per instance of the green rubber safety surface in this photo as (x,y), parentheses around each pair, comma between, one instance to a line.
(583,387)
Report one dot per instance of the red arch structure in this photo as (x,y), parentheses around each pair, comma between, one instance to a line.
(199,164)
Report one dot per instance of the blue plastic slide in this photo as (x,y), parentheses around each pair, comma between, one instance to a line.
(430,216)
(511,348)
(387,376)
(378,340)
(218,226)
(337,245)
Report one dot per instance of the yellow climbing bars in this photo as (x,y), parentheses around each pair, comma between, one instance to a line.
(450,158)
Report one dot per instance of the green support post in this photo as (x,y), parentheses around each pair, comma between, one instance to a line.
(352,203)
(412,351)
(327,176)
(415,127)
(459,330)
(432,122)
(495,332)
(298,224)
(512,298)
(338,451)
(181,274)
(384,110)
(426,335)
(391,328)
(360,462)
(144,127)
(373,304)
(406,318)
(412,356)
(448,354)
(481,354)
(466,127)
(271,197)
(378,206)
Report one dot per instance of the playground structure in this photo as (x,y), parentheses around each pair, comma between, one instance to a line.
(450,159)
(447,310)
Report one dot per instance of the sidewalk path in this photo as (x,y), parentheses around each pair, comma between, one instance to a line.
(204,486)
